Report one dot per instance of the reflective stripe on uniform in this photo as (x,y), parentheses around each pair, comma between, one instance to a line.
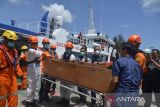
(14,94)
(3,97)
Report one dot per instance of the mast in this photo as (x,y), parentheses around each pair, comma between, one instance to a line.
(91,27)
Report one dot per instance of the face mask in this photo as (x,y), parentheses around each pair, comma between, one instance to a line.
(10,44)
(97,52)
(82,54)
(53,50)
(46,46)
(25,50)
(34,47)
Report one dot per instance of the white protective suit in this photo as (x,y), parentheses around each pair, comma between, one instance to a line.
(66,93)
(34,76)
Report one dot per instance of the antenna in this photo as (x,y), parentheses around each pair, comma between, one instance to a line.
(101,16)
(91,27)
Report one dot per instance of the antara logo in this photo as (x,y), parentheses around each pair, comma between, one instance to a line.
(124,99)
(130,99)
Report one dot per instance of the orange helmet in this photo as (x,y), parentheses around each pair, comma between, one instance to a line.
(33,39)
(53,46)
(45,40)
(69,45)
(134,39)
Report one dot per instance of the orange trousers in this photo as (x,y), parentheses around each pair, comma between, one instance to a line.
(24,81)
(8,90)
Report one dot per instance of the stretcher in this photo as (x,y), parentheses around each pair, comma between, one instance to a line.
(91,76)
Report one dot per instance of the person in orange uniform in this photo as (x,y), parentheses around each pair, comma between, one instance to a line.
(54,56)
(65,93)
(23,64)
(53,52)
(9,70)
(45,85)
(140,57)
(45,49)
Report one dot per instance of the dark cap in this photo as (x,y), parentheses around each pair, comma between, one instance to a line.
(129,47)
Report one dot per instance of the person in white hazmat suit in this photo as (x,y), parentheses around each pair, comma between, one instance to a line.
(65,93)
(34,73)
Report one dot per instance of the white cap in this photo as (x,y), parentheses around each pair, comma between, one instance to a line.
(147,51)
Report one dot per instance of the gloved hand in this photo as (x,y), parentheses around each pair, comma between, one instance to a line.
(20,77)
(46,55)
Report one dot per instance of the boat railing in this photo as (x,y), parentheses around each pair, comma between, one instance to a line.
(76,40)
(36,27)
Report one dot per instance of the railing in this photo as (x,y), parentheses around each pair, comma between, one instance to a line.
(100,100)
(36,26)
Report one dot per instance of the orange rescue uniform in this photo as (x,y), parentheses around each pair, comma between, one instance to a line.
(140,58)
(44,55)
(8,80)
(55,57)
(24,57)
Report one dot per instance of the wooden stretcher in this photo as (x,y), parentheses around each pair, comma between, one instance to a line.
(91,76)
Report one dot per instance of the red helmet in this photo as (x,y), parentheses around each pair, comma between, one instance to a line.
(69,45)
(53,46)
(33,39)
(135,39)
(45,40)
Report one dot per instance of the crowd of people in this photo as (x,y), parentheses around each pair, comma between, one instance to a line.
(135,69)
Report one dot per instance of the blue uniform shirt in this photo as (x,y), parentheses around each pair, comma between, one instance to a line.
(129,73)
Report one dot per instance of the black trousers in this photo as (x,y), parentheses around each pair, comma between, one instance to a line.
(93,94)
(149,87)
(45,88)
(82,97)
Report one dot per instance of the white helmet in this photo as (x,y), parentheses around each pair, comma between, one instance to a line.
(59,21)
(147,51)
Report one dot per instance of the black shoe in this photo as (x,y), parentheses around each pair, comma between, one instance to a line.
(64,101)
(28,104)
(36,103)
(48,99)
(23,102)
(41,101)
(93,105)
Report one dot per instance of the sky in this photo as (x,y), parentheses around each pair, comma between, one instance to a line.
(112,17)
